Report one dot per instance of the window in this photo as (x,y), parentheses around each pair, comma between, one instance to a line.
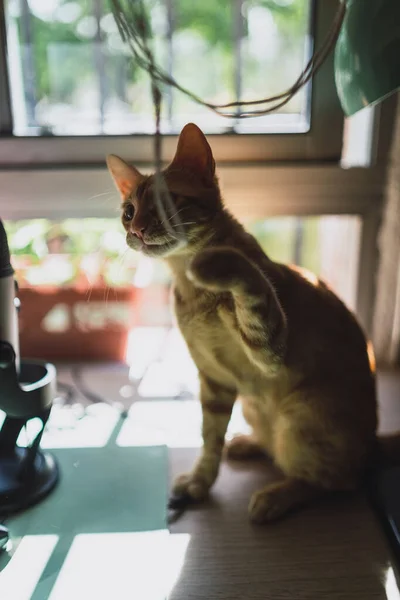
(82,290)
(84,293)
(92,253)
(70,75)
(73,253)
(326,246)
(53,145)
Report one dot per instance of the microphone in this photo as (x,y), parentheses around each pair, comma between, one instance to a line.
(8,304)
(27,390)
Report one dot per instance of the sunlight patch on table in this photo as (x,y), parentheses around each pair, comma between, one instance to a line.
(20,577)
(391,587)
(174,423)
(67,429)
(126,566)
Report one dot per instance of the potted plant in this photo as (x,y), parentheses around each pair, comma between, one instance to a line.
(77,289)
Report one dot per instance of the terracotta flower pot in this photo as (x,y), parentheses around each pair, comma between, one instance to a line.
(70,324)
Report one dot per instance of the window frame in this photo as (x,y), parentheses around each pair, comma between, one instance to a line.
(20,152)
(261,174)
(249,192)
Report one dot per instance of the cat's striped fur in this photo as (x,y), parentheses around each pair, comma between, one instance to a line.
(260,331)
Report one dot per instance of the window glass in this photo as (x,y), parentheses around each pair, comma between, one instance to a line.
(71,74)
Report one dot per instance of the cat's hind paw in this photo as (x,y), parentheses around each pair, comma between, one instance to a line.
(266,506)
(279,498)
(243,447)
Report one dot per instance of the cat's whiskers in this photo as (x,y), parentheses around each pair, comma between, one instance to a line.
(120,264)
(174,215)
(163,212)
(122,257)
(106,294)
(109,192)
(89,292)
(175,238)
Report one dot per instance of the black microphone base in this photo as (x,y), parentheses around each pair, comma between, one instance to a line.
(19,492)
(27,390)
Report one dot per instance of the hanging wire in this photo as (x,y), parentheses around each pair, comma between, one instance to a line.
(134,28)
(135,31)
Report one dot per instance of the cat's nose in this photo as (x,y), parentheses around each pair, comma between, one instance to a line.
(138,230)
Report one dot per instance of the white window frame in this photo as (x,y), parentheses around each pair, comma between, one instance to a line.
(261,175)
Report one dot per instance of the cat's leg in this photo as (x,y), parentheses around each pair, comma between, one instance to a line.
(316,453)
(257,443)
(260,319)
(217,403)
(244,447)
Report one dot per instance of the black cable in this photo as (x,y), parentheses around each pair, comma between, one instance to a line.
(68,391)
(135,30)
(92,397)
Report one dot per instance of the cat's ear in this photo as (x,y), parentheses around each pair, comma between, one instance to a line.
(126,178)
(194,152)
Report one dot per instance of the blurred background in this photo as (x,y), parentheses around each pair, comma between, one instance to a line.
(84,295)
(318,189)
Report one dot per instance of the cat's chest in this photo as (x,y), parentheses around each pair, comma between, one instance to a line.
(208,324)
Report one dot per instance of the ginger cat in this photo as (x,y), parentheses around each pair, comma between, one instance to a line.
(258,330)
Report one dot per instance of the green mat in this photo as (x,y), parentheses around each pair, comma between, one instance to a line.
(105,497)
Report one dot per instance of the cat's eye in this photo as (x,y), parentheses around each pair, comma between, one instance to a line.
(129,212)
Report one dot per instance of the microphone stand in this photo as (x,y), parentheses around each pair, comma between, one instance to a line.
(27,389)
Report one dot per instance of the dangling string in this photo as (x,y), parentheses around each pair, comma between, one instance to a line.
(161,189)
(136,35)
(134,28)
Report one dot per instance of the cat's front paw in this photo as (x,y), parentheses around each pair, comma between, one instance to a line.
(190,487)
(217,269)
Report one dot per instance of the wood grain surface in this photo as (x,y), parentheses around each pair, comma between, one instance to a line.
(333,550)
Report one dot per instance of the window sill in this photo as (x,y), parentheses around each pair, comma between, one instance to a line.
(249,191)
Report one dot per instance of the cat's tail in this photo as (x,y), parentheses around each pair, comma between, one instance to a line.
(259,318)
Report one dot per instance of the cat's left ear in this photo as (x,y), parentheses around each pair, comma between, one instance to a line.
(126,178)
(194,153)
